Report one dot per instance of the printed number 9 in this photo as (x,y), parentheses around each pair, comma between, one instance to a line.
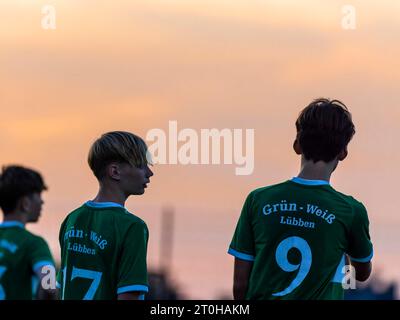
(282,259)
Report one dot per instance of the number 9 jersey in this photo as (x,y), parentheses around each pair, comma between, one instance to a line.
(297,233)
(103,253)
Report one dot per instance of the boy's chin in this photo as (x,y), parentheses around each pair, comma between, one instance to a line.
(138,192)
(33,219)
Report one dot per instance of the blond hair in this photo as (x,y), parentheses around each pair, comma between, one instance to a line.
(117,146)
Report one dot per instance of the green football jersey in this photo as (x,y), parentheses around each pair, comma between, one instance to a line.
(22,256)
(297,234)
(103,253)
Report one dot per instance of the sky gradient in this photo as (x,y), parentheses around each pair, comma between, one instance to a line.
(136,65)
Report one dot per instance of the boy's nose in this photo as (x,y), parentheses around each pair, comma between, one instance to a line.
(149,172)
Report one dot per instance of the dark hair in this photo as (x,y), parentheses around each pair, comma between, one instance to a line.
(324,129)
(17,182)
(118,146)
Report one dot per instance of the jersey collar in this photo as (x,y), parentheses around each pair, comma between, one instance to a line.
(310,182)
(10,224)
(99,205)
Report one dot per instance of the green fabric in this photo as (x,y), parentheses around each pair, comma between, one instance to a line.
(102,250)
(20,251)
(297,236)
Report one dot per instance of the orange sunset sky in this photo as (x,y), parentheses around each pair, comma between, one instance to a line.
(135,65)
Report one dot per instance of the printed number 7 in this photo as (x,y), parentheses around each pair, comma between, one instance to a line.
(86,274)
(282,259)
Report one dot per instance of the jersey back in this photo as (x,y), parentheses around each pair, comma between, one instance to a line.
(22,254)
(297,233)
(103,253)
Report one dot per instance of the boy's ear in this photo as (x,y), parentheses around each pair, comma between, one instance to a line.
(343,154)
(113,171)
(296,147)
(24,204)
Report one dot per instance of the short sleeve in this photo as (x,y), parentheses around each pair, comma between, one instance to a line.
(242,244)
(40,254)
(360,246)
(132,271)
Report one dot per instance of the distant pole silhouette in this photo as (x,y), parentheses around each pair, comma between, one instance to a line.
(167,231)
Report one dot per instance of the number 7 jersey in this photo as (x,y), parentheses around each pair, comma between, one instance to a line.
(297,233)
(103,253)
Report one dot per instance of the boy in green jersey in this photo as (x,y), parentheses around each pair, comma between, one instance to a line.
(103,246)
(24,257)
(292,239)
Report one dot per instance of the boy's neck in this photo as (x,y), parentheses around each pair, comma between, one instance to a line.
(16,216)
(109,194)
(317,170)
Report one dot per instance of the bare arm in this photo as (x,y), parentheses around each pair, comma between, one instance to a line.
(241,278)
(363,270)
(45,294)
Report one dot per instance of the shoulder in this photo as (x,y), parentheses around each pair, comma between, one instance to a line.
(31,236)
(357,207)
(39,252)
(266,190)
(39,239)
(74,212)
(77,211)
(125,220)
(350,200)
(133,228)
(36,241)
(134,221)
